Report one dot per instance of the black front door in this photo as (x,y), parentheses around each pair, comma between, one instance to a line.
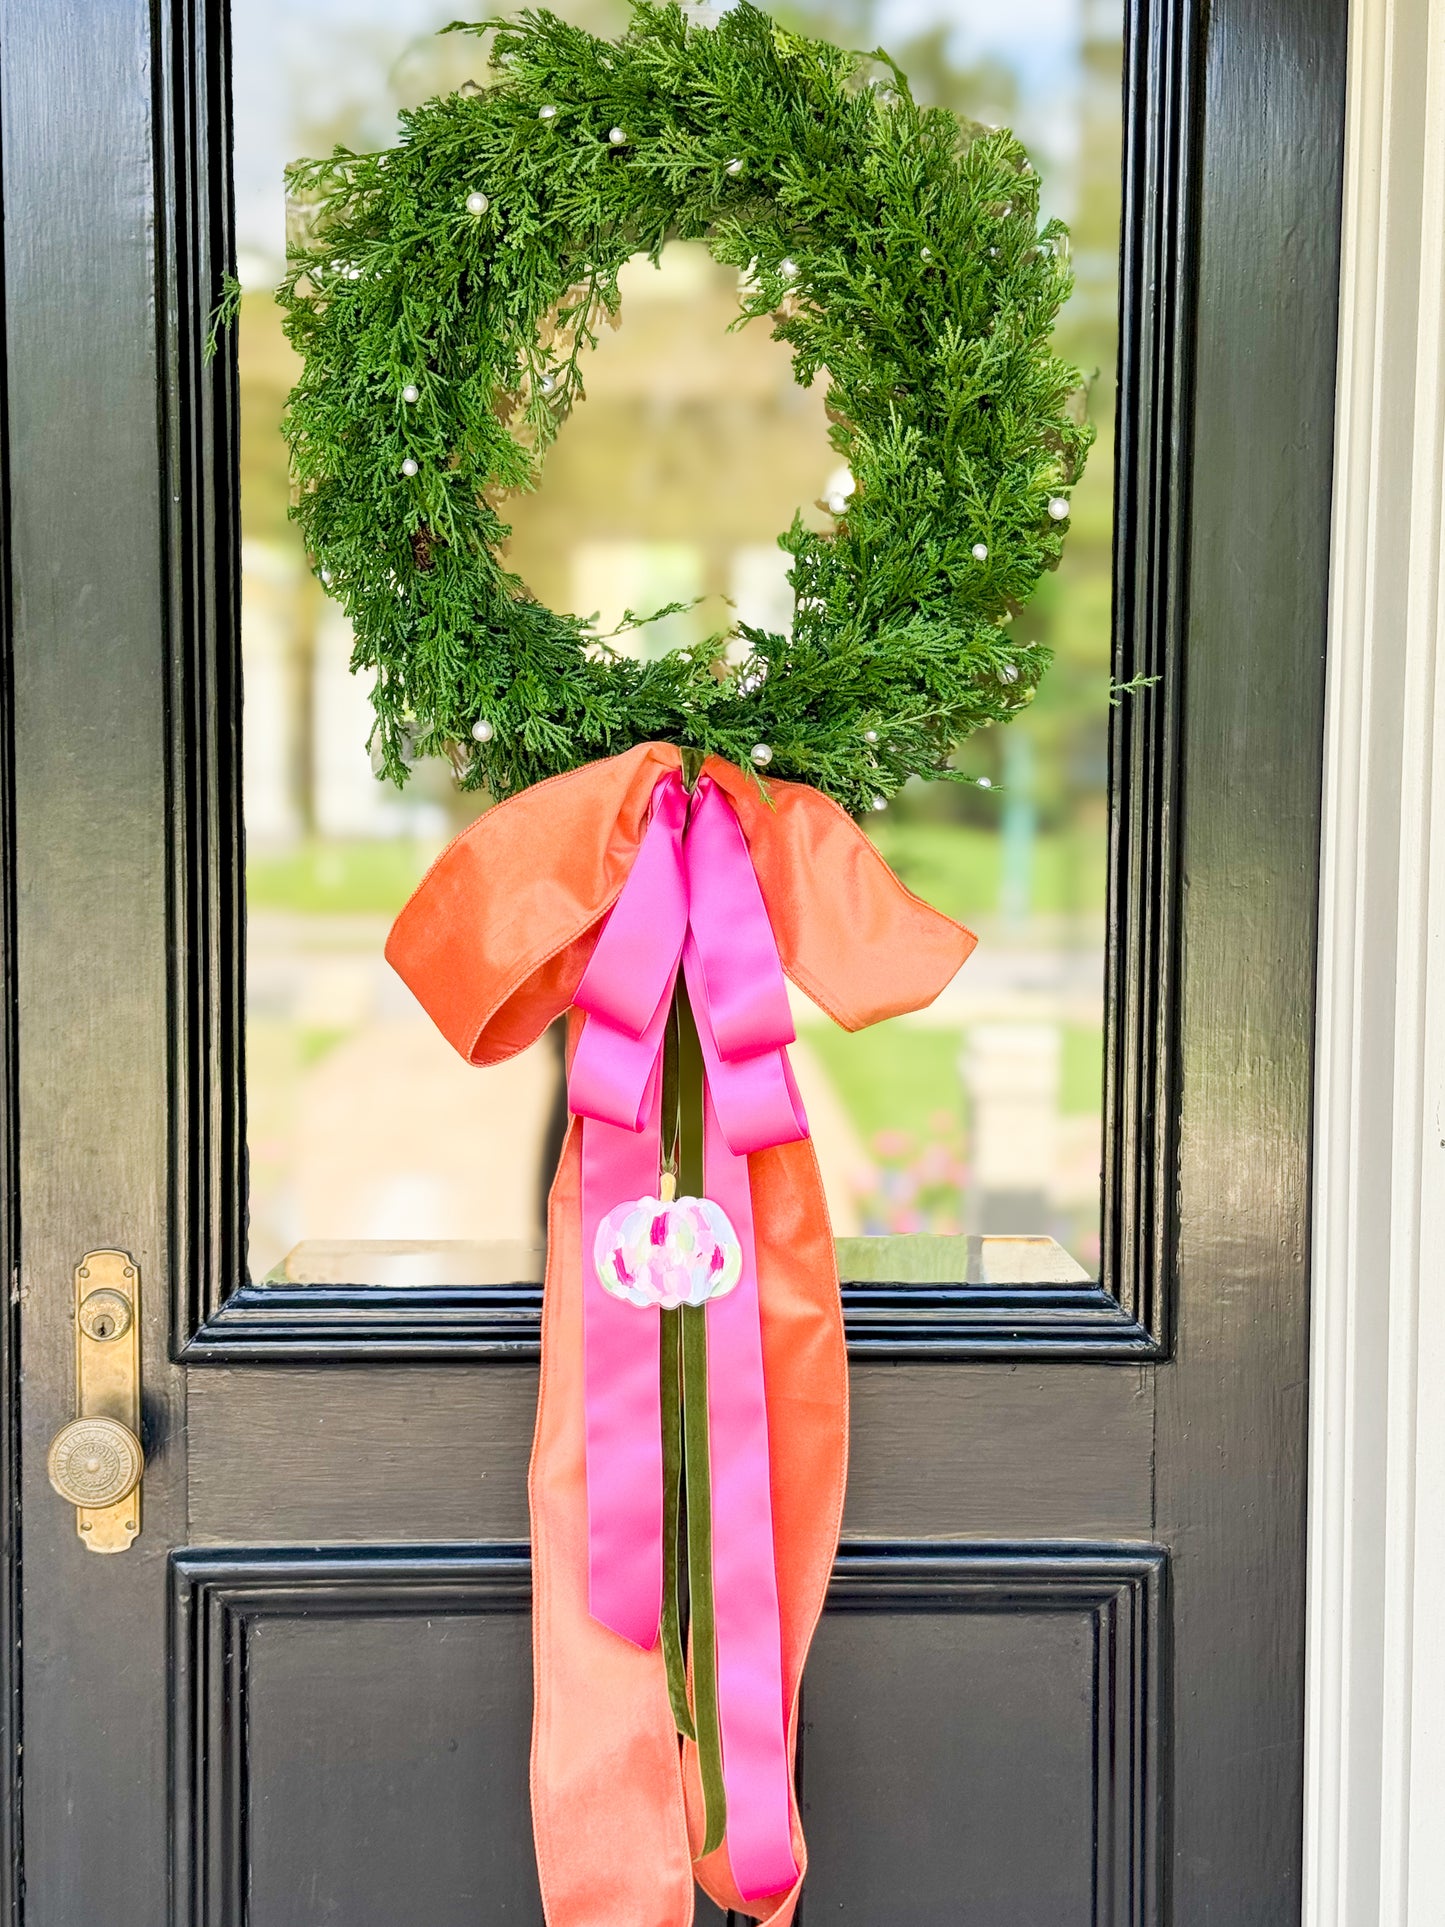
(1061,1680)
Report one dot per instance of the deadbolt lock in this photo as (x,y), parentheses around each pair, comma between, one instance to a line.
(104,1314)
(96,1461)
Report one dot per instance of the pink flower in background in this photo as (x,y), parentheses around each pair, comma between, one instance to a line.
(892,1144)
(667,1253)
(917,1184)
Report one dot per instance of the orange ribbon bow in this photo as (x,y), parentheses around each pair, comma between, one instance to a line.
(494,943)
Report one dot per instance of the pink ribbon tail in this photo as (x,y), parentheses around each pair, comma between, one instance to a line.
(692,896)
(615,1086)
(751,1708)
(622,1368)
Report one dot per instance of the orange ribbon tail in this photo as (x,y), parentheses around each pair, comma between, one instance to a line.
(494,943)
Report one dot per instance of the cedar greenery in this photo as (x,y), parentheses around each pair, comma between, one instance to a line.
(894,248)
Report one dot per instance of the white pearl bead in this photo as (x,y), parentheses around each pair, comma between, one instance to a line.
(546,383)
(410,467)
(411,392)
(617,137)
(925,254)
(477,203)
(546,113)
(734,167)
(482,730)
(1058,507)
(326,577)
(788,268)
(870,735)
(980,551)
(993,254)
(880,803)
(1008,672)
(762,755)
(985,782)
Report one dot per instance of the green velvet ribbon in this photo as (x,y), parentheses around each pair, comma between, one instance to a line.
(674,1577)
(699,1573)
(674,1572)
(686,1476)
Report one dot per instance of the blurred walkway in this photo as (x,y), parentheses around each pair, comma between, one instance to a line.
(367,1125)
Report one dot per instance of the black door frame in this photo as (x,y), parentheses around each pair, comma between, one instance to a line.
(218,1313)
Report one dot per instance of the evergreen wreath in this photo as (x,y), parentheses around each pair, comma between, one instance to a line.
(443,306)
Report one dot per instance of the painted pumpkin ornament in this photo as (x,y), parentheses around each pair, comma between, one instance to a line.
(667,1251)
(695,849)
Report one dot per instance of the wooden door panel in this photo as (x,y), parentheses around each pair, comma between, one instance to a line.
(397,1453)
(352,1738)
(982,1737)
(1031,1450)
(387,1762)
(360,1455)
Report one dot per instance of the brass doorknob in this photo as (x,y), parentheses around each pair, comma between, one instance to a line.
(95,1461)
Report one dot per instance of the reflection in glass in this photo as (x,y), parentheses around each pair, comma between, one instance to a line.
(671,483)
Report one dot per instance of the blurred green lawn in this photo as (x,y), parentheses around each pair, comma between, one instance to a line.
(956,867)
(897,1075)
(338,879)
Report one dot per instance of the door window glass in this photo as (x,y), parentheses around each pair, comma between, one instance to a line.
(370,1144)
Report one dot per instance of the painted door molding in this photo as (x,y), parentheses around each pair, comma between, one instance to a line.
(1375,1750)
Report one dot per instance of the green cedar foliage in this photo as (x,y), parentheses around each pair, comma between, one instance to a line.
(897,251)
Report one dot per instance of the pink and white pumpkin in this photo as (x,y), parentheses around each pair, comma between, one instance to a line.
(667,1252)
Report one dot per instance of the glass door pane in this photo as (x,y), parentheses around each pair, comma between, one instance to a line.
(372,1145)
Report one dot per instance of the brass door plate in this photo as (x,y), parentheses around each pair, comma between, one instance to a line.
(107,1384)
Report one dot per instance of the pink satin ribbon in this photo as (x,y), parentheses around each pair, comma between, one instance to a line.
(692,900)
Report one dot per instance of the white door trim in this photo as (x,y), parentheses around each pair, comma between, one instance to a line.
(1375,1770)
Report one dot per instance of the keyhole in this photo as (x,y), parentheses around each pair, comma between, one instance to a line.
(104,1315)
